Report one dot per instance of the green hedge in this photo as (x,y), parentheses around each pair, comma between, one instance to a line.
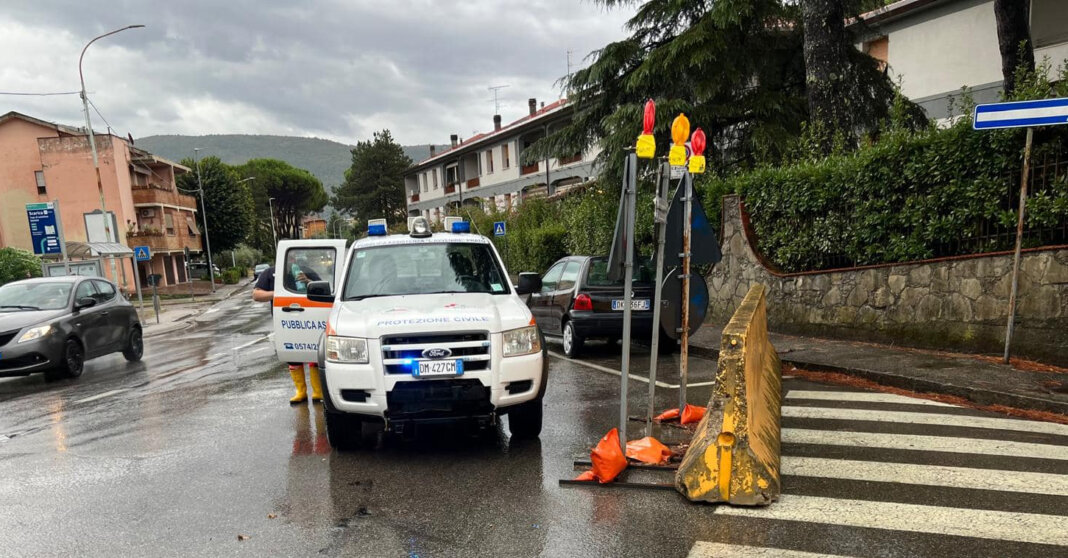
(940,192)
(18,264)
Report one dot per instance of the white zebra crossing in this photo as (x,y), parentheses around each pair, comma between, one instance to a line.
(1046,525)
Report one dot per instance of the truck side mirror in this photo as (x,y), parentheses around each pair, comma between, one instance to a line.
(529,282)
(319,291)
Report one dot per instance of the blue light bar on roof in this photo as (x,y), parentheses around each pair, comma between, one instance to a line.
(461,227)
(376,227)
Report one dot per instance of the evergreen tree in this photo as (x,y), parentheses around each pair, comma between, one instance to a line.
(227,202)
(374,184)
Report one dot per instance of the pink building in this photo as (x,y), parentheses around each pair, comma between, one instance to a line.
(42,161)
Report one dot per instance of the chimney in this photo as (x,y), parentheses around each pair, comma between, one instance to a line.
(432,149)
(533,104)
(454,139)
(496,122)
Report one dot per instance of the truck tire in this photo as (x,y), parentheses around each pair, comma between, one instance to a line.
(524,420)
(343,430)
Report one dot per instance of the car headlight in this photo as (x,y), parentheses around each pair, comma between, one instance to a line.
(35,333)
(346,349)
(522,341)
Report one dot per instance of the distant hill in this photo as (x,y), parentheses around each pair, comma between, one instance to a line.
(325,159)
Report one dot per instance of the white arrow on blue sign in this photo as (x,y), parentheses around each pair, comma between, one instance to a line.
(498,228)
(1021,114)
(142,253)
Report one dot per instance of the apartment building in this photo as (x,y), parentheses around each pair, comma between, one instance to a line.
(43,161)
(484,171)
(936,47)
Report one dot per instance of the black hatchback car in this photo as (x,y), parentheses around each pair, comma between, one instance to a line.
(577,302)
(54,324)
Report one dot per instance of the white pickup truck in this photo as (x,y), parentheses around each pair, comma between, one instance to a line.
(416,328)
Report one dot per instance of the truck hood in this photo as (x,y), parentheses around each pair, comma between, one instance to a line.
(375,317)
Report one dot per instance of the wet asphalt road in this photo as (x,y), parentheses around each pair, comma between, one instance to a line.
(196,445)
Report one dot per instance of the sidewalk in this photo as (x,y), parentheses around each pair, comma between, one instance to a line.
(177,314)
(981,379)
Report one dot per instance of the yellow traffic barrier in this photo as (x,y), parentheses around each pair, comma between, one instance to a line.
(734,455)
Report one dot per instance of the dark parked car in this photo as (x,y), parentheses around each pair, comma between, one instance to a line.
(577,302)
(54,324)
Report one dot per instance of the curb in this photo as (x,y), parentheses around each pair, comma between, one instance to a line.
(183,322)
(975,395)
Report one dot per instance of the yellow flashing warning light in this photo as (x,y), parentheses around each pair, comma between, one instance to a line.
(680,130)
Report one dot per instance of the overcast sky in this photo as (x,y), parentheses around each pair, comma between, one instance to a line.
(336,69)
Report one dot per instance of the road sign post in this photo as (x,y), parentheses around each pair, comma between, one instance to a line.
(663,185)
(1020,114)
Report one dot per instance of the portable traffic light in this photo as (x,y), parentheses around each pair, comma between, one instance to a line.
(697,147)
(680,130)
(646,147)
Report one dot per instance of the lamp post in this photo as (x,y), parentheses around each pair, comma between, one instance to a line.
(273,234)
(204,217)
(92,142)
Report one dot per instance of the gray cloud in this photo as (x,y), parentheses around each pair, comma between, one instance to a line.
(338,69)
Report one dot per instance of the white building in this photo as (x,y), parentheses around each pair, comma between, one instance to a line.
(484,171)
(936,47)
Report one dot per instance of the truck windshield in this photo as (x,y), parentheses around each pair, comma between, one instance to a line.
(430,268)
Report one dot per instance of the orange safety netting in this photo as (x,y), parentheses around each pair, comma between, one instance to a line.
(648,450)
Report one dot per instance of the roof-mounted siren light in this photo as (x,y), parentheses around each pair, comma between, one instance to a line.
(457,225)
(419,227)
(376,227)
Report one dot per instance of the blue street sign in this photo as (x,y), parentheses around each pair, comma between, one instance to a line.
(498,228)
(1021,114)
(43,229)
(142,253)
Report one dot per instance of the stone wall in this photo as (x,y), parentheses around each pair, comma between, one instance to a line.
(956,303)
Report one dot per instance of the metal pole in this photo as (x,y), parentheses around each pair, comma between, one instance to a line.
(684,337)
(1019,241)
(204,217)
(62,238)
(137,283)
(92,142)
(663,185)
(630,198)
(273,233)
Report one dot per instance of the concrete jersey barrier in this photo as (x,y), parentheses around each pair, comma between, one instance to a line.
(734,455)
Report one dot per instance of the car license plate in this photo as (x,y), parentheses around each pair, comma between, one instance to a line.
(439,368)
(635,304)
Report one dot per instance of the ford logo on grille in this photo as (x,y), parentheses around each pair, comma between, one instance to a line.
(437,352)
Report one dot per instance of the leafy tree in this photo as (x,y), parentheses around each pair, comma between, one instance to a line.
(294,194)
(1014,39)
(228,202)
(18,264)
(374,184)
(736,68)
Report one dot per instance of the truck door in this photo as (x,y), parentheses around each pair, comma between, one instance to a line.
(298,322)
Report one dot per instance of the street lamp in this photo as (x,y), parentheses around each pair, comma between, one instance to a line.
(339,221)
(92,142)
(274,234)
(204,217)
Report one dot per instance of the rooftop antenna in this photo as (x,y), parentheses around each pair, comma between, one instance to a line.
(496,97)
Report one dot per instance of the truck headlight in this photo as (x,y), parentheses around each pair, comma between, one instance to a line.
(35,333)
(522,341)
(346,349)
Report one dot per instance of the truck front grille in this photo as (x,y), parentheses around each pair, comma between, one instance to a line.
(399,352)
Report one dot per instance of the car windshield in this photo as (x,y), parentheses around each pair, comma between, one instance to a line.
(15,297)
(598,274)
(414,269)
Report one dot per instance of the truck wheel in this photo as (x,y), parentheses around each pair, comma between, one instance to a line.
(524,420)
(572,341)
(343,431)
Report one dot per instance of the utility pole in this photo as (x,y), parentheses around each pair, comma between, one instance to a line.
(273,233)
(92,145)
(204,217)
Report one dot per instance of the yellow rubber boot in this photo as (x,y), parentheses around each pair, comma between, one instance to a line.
(317,387)
(297,372)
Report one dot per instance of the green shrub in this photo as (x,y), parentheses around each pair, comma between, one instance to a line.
(18,264)
(232,275)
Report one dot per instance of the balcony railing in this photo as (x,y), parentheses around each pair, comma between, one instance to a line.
(164,196)
(473,183)
(451,188)
(157,241)
(415,197)
(528,169)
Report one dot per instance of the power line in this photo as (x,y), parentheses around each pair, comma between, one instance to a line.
(92,104)
(39,94)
